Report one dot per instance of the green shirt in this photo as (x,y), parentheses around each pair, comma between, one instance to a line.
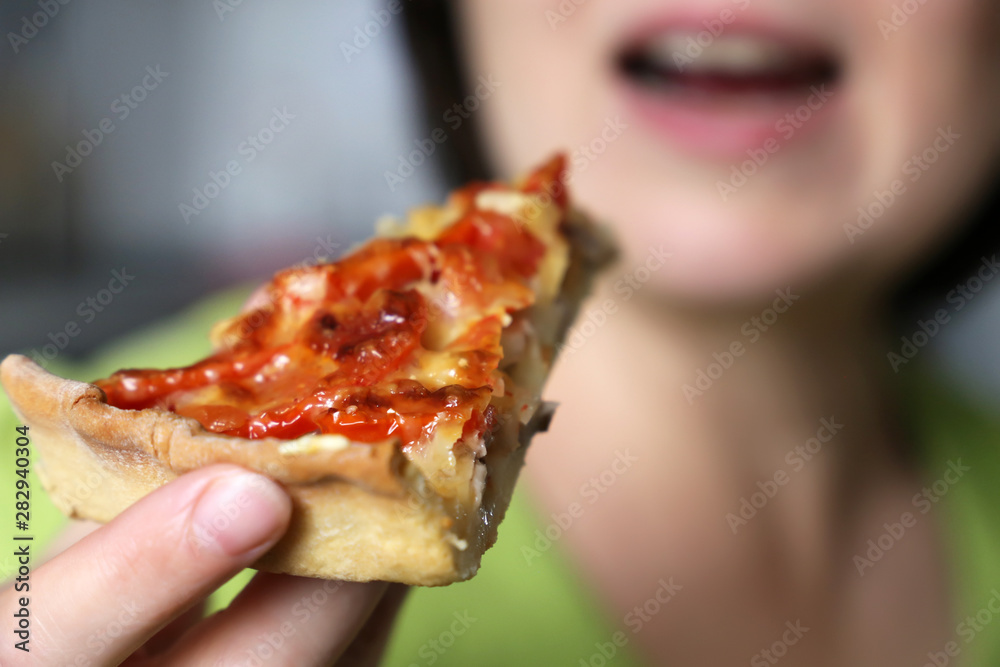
(528,605)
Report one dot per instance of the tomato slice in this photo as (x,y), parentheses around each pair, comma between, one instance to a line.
(500,237)
(550,179)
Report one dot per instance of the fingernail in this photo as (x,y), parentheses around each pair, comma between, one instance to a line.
(238,513)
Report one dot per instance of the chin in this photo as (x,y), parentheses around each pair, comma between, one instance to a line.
(719,257)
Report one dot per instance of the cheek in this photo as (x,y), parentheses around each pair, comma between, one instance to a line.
(927,109)
(552,76)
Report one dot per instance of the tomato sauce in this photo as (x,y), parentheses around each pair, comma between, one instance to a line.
(343,365)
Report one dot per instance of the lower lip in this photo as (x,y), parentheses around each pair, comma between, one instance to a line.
(712,129)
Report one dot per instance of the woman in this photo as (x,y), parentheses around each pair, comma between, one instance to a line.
(736,473)
(799,162)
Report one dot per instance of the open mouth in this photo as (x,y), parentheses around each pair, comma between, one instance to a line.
(728,66)
(728,91)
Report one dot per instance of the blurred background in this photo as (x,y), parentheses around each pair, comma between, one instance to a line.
(227,75)
(224,140)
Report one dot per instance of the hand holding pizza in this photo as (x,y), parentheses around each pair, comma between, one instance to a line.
(134,589)
(392,393)
(388,398)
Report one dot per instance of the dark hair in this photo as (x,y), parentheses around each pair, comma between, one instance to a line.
(432,34)
(436,47)
(955,261)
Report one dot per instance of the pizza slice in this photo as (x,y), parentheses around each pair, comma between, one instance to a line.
(392,393)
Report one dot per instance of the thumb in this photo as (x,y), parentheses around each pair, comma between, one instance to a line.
(104,596)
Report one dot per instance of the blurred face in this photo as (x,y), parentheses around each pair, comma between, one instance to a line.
(764,143)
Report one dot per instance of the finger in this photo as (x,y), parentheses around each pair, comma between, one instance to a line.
(281,619)
(104,596)
(74,531)
(367,648)
(165,638)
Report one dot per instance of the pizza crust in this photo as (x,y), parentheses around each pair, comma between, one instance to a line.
(361,511)
(354,517)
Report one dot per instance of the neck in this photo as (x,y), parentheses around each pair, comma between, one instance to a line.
(762,378)
(798,398)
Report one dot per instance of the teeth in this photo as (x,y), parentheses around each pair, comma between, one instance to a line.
(734,54)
